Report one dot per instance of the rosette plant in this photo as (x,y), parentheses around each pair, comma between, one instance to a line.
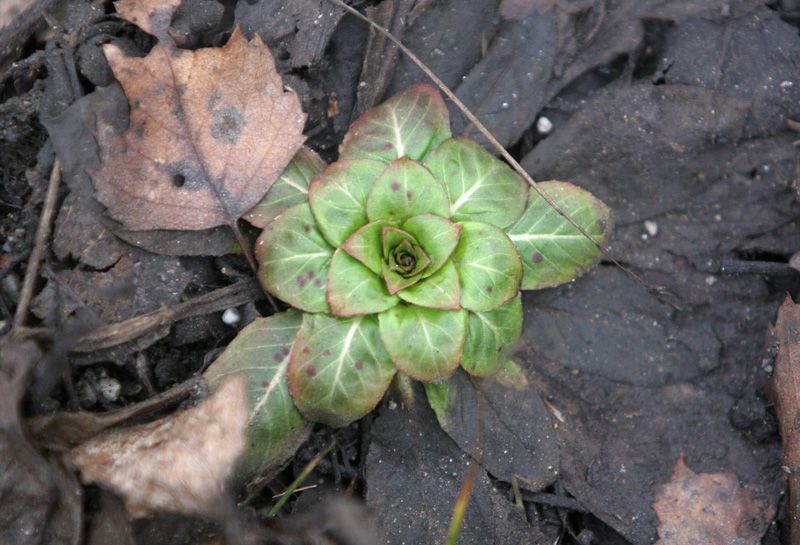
(407,255)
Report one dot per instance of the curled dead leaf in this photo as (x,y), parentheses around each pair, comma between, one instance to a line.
(710,508)
(210,130)
(177,464)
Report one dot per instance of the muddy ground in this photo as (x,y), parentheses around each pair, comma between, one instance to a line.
(682,115)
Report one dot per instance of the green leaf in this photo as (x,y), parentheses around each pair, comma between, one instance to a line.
(261,353)
(289,190)
(442,290)
(405,189)
(396,282)
(338,368)
(552,250)
(480,186)
(425,344)
(366,245)
(338,197)
(293,260)
(437,236)
(488,264)
(407,125)
(353,289)
(489,337)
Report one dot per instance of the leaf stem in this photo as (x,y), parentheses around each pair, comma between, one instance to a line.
(251,260)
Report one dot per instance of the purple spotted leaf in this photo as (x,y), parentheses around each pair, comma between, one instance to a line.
(490,335)
(489,266)
(260,352)
(353,289)
(425,344)
(410,124)
(294,260)
(338,197)
(406,189)
(552,250)
(338,368)
(289,190)
(480,186)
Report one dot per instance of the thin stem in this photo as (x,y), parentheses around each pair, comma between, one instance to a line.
(42,234)
(251,260)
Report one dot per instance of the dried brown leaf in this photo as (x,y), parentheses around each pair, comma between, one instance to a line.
(784,389)
(210,130)
(710,508)
(177,464)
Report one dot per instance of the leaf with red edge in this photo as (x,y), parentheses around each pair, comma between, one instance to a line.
(210,130)
(290,189)
(338,368)
(409,124)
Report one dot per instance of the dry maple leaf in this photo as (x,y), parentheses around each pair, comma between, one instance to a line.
(710,508)
(210,130)
(177,464)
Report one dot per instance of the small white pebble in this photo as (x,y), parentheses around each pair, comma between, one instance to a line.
(109,388)
(231,317)
(651,227)
(787,84)
(711,280)
(544,125)
(392,405)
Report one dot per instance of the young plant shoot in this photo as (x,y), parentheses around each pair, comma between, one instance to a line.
(407,255)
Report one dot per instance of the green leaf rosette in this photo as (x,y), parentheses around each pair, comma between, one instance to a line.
(407,255)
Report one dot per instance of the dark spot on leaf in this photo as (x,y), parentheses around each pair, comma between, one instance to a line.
(301,281)
(537,257)
(139,130)
(326,352)
(265,384)
(136,103)
(306,350)
(388,145)
(177,111)
(278,357)
(318,282)
(213,99)
(310,275)
(180,90)
(409,195)
(499,349)
(227,125)
(395,186)
(285,351)
(312,371)
(489,289)
(178,180)
(307,228)
(359,365)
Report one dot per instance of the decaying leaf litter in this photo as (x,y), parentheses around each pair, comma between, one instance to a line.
(680,123)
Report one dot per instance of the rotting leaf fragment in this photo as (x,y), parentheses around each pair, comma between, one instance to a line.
(210,130)
(177,464)
(710,508)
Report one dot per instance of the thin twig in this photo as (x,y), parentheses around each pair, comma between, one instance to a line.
(42,234)
(499,147)
(133,328)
